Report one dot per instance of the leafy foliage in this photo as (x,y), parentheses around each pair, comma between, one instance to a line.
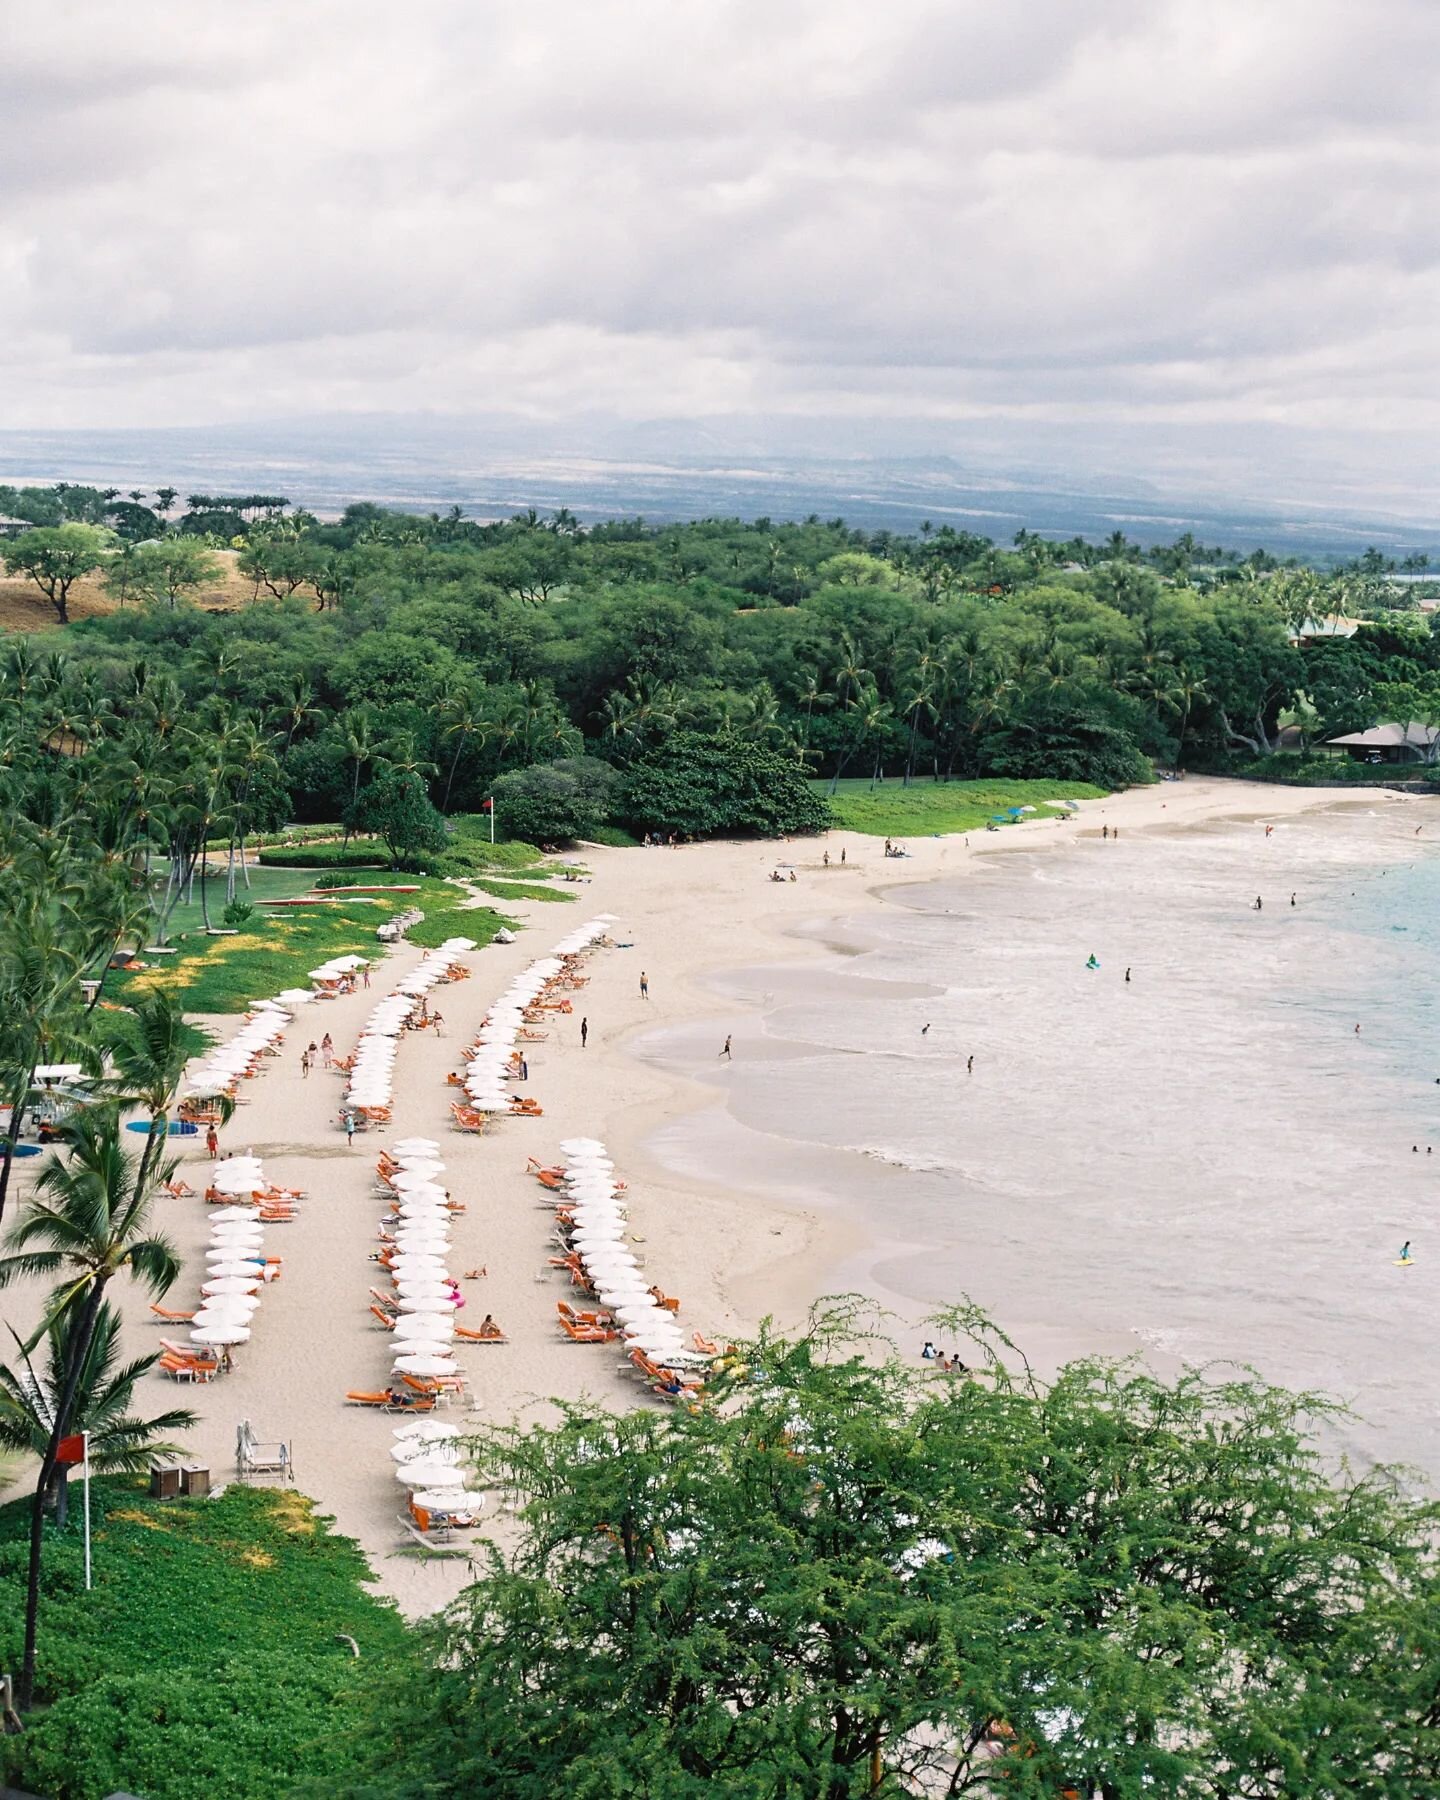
(700,786)
(553,803)
(850,1581)
(206,1660)
(397,809)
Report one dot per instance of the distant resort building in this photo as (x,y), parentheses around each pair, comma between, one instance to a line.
(1412,743)
(11,528)
(1319,631)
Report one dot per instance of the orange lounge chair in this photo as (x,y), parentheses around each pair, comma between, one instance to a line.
(387,1319)
(385,1401)
(587,1334)
(481,1337)
(526,1108)
(172,1318)
(180,1190)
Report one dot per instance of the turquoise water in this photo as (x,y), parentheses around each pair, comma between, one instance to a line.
(1208,1159)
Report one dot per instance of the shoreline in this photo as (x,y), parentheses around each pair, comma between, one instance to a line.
(844,1252)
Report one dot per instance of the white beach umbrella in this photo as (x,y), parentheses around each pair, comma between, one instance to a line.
(416,1146)
(424,1472)
(426,1428)
(220,1336)
(425,1300)
(440,1450)
(243,1270)
(427,1323)
(426,1365)
(295,996)
(421,1346)
(456,1499)
(222,1315)
(231,1284)
(233,1215)
(573,1146)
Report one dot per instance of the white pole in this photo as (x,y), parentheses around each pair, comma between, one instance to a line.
(85,1440)
(492,821)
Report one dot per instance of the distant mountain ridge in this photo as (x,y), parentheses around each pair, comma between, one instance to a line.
(671,470)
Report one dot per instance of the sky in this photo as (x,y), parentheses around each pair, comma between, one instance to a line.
(1143,221)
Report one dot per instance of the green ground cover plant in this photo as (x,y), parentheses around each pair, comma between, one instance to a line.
(933,809)
(208,1661)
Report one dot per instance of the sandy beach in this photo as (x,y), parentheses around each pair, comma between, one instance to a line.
(733,1251)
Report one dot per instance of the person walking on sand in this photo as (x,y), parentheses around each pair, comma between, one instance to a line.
(644,985)
(350,1130)
(212,1143)
(826,859)
(1104,831)
(584,1032)
(725,1049)
(524,1069)
(365,975)
(327,1050)
(305,1065)
(842,853)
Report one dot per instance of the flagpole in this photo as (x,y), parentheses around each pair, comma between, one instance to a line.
(85,1438)
(492,821)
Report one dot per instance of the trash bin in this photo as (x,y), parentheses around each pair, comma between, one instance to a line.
(164,1481)
(194,1480)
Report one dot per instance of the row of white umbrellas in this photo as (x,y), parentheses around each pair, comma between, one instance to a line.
(424,1340)
(225,1064)
(372,1076)
(597,1210)
(234,1261)
(491,1065)
(428,1457)
(430,1463)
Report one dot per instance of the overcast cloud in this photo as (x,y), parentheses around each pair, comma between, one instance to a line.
(1172,212)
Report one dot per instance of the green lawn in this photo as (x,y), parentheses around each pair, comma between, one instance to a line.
(277,950)
(207,1662)
(265,884)
(936,809)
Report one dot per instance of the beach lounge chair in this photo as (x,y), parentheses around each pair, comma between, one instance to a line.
(255,1461)
(178,1189)
(172,1318)
(391,1403)
(387,1319)
(587,1334)
(526,1108)
(481,1337)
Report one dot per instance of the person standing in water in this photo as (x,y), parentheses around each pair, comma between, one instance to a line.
(725,1049)
(1292,899)
(1405,1251)
(1127,972)
(644,985)
(1259,904)
(969,1065)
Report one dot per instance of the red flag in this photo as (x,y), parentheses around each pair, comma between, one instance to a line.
(71,1449)
(487,806)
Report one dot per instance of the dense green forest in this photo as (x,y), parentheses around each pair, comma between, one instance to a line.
(464,654)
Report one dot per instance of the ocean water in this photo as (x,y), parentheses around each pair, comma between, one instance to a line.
(1208,1159)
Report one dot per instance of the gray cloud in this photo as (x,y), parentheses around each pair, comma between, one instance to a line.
(1091,210)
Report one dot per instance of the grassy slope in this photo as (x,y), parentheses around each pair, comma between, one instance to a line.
(219,975)
(205,1662)
(931,809)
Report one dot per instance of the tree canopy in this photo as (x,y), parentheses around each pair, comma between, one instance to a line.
(848,1579)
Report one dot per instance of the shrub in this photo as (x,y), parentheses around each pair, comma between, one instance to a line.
(323,856)
(397,809)
(553,802)
(237,912)
(699,785)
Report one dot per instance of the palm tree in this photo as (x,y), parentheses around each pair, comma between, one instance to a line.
(461,717)
(86,1223)
(146,1069)
(120,1443)
(360,749)
(299,705)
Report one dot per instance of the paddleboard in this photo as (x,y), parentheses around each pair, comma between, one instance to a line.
(1404,1262)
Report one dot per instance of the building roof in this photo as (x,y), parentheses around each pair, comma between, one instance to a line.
(1413,736)
(1333,625)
